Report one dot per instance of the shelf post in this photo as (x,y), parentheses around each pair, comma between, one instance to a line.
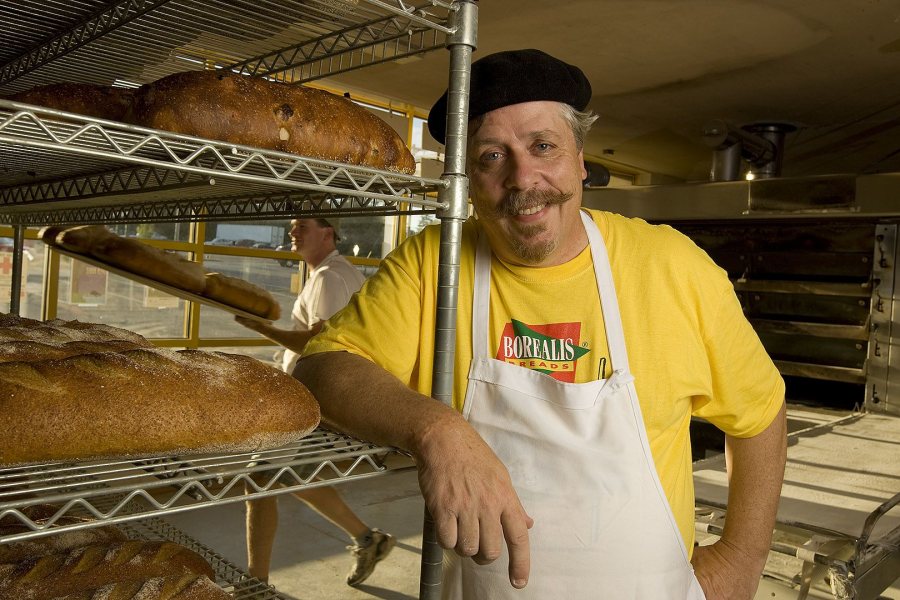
(18,255)
(461,44)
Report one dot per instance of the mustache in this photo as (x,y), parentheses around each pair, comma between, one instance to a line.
(515,202)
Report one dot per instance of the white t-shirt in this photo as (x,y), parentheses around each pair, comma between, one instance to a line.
(328,289)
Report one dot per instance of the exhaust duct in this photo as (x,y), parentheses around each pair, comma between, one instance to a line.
(759,144)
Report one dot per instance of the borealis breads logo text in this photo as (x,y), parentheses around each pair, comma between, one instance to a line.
(553,349)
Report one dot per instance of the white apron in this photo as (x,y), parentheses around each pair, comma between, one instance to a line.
(580,462)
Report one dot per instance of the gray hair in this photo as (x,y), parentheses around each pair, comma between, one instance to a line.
(579,122)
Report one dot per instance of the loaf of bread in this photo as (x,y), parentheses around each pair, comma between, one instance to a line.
(14,328)
(147,402)
(98,565)
(162,266)
(151,262)
(241,294)
(99,101)
(64,541)
(79,239)
(143,401)
(255,112)
(25,351)
(185,587)
(248,111)
(130,255)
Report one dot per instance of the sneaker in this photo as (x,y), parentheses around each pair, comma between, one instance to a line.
(368,556)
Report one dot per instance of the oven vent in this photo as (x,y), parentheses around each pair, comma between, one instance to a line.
(759,144)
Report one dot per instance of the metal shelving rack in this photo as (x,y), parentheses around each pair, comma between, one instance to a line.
(59,168)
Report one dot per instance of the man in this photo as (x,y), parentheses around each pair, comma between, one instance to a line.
(332,281)
(585,342)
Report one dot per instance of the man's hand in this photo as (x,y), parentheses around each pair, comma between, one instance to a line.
(471,498)
(726,573)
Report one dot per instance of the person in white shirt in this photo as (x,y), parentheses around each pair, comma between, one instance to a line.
(332,281)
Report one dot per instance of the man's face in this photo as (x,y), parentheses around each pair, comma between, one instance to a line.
(525,173)
(307,237)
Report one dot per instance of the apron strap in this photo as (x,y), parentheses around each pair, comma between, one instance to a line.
(609,304)
(481,298)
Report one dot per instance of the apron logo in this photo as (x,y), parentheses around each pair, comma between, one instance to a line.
(552,349)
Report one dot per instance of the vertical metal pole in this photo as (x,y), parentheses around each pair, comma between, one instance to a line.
(461,44)
(17,258)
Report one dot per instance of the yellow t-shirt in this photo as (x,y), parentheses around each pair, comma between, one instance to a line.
(690,349)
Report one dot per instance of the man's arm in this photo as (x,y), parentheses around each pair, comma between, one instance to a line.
(292,339)
(466,488)
(731,567)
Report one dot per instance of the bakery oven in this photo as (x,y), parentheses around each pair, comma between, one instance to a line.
(812,264)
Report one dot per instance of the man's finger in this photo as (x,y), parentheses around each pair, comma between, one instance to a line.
(467,536)
(490,544)
(445,528)
(515,531)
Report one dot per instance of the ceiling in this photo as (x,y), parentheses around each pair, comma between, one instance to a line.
(661,69)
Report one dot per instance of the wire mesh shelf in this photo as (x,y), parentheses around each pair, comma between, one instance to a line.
(126,490)
(228,576)
(62,167)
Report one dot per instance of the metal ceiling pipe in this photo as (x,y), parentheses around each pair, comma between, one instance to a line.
(773,133)
(732,143)
(726,164)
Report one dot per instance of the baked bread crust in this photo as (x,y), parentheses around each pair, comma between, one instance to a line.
(97,565)
(80,239)
(251,111)
(151,262)
(186,587)
(145,402)
(99,101)
(165,267)
(241,294)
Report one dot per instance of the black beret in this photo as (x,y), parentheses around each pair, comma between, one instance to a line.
(513,77)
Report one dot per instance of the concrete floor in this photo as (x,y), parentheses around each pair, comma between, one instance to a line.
(310,559)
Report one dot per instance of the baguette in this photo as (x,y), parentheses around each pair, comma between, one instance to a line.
(81,239)
(251,111)
(185,587)
(48,234)
(148,261)
(241,294)
(97,565)
(146,402)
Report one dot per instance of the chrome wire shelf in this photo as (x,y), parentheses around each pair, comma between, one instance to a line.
(131,42)
(228,576)
(128,490)
(60,167)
